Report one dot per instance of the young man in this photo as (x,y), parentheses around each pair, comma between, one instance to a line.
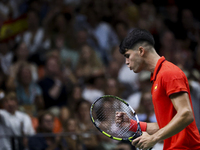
(13,123)
(170,95)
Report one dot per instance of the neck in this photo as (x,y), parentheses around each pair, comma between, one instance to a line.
(151,61)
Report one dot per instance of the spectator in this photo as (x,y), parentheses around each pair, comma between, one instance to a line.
(122,29)
(69,57)
(28,91)
(33,37)
(75,98)
(64,115)
(129,79)
(102,32)
(115,55)
(86,127)
(73,139)
(6,56)
(70,42)
(194,82)
(112,87)
(13,123)
(21,56)
(48,140)
(146,110)
(168,45)
(89,64)
(91,90)
(172,21)
(62,25)
(54,92)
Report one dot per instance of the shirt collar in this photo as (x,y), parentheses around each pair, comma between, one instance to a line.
(157,68)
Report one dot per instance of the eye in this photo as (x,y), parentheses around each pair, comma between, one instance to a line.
(126,55)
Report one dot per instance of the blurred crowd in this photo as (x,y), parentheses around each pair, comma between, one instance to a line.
(68,56)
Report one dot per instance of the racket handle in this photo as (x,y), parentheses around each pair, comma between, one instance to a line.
(136,136)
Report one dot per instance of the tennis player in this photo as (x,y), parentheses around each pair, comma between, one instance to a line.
(170,95)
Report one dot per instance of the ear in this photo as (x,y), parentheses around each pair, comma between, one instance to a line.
(141,51)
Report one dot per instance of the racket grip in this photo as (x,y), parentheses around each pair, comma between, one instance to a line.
(136,136)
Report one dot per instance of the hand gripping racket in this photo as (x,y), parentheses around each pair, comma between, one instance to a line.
(103,115)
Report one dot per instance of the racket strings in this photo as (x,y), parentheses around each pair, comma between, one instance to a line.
(105,111)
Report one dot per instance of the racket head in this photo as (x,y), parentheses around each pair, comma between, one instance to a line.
(103,112)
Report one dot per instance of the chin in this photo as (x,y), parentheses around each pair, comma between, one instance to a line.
(136,71)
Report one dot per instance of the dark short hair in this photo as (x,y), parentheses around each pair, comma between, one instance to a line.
(134,37)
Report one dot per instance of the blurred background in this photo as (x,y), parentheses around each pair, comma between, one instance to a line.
(58,56)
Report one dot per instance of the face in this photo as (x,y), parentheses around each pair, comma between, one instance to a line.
(111,87)
(84,111)
(86,52)
(10,105)
(48,122)
(71,124)
(147,101)
(134,60)
(22,52)
(52,66)
(77,93)
(26,76)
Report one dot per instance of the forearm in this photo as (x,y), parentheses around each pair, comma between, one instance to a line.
(177,124)
(152,128)
(55,90)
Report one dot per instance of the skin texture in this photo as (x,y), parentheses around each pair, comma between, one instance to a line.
(145,58)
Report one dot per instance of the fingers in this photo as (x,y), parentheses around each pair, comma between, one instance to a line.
(119,117)
(135,141)
(141,143)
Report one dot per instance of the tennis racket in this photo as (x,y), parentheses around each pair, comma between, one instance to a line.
(103,113)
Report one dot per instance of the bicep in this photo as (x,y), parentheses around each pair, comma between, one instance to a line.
(181,101)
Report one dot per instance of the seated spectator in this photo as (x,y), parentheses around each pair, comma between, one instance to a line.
(112,87)
(28,91)
(75,98)
(45,138)
(69,57)
(89,64)
(13,123)
(85,125)
(92,89)
(34,36)
(146,110)
(21,56)
(64,115)
(73,140)
(53,89)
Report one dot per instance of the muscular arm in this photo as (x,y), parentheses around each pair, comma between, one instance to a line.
(181,120)
(152,128)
